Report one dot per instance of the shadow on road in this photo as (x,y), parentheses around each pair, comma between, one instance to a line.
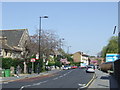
(105,77)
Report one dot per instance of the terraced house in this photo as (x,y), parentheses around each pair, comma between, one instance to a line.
(13,43)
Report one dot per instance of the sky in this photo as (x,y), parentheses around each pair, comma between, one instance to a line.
(85,26)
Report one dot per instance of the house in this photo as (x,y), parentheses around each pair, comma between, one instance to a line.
(13,43)
(77,57)
(81,57)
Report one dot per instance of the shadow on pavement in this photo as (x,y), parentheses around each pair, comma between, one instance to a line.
(113,85)
(105,77)
(104,86)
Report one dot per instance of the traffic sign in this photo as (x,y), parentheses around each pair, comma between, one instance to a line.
(32,60)
(37,56)
(112,57)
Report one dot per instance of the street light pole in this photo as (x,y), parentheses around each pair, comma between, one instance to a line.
(40,29)
(68,49)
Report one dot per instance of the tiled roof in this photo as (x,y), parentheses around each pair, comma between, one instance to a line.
(13,36)
(5,46)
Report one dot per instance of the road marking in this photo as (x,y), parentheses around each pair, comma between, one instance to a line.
(91,80)
(86,85)
(45,81)
(35,84)
(55,78)
(5,82)
(82,85)
(21,88)
(60,76)
(64,75)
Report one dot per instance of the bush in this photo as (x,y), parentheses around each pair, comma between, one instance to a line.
(51,64)
(6,63)
(58,63)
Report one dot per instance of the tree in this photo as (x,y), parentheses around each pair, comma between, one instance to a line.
(112,46)
(49,44)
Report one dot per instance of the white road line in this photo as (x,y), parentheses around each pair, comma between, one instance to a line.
(64,75)
(60,76)
(81,84)
(5,82)
(55,78)
(45,81)
(35,84)
(21,88)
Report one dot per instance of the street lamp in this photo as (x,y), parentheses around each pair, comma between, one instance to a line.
(68,49)
(40,29)
(61,42)
(118,38)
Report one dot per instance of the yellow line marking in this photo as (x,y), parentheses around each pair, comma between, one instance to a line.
(90,81)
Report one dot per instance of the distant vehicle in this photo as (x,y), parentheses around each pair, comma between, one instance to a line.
(83,65)
(90,68)
(66,67)
(69,67)
(74,67)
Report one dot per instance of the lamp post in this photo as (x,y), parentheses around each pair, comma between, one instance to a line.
(118,37)
(61,42)
(68,49)
(40,29)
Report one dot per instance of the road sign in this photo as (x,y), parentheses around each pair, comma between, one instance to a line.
(112,57)
(37,56)
(32,60)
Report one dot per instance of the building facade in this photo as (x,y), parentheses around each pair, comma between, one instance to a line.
(81,57)
(13,42)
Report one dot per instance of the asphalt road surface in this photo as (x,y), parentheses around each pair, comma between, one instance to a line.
(74,78)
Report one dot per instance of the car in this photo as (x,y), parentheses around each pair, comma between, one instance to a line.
(66,67)
(74,67)
(69,67)
(90,69)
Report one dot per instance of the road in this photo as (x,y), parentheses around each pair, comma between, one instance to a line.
(74,78)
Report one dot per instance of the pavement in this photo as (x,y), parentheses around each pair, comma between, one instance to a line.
(23,76)
(104,81)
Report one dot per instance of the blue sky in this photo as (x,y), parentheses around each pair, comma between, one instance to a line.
(85,26)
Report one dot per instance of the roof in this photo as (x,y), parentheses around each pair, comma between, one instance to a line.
(13,36)
(5,46)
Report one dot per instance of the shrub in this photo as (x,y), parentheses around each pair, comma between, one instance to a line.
(6,63)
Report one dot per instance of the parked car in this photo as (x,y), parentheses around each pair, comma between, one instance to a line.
(74,67)
(90,69)
(69,67)
(66,67)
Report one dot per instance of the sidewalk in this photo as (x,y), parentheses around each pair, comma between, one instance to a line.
(104,80)
(23,76)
